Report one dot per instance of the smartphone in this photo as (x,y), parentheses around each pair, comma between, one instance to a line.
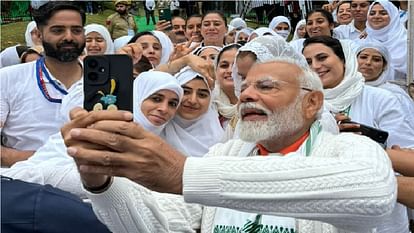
(108,82)
(375,134)
(164,14)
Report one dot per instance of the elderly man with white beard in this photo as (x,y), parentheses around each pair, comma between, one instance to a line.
(284,173)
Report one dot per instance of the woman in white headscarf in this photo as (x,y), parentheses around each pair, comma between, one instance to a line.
(31,35)
(281,25)
(225,99)
(98,40)
(348,97)
(234,26)
(388,30)
(156,46)
(374,65)
(300,30)
(163,91)
(167,46)
(196,126)
(242,36)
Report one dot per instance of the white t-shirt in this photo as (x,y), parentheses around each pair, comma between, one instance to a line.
(28,117)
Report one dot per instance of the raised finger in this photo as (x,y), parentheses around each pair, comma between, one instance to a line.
(188,43)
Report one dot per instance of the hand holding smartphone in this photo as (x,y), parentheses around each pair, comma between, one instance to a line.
(108,82)
(377,135)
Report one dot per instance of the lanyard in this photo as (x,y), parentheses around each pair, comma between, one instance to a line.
(40,70)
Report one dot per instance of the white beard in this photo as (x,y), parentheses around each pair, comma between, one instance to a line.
(281,123)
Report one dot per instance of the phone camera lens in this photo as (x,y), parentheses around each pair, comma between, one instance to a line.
(93,76)
(92,63)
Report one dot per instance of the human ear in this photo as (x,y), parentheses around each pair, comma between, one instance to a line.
(312,103)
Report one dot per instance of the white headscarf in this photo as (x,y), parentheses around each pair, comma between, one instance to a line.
(296,34)
(247,31)
(339,98)
(27,35)
(393,36)
(238,23)
(104,33)
(276,21)
(261,31)
(167,46)
(146,84)
(121,42)
(388,72)
(193,137)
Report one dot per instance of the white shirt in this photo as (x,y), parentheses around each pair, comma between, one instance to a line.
(381,109)
(348,31)
(150,4)
(28,117)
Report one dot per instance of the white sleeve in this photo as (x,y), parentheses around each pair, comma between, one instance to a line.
(4,98)
(129,207)
(390,116)
(349,183)
(50,164)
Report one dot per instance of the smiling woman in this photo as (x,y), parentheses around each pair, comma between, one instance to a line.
(384,27)
(156,98)
(196,126)
(214,28)
(98,40)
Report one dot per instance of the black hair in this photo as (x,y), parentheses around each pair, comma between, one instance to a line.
(193,16)
(20,49)
(139,34)
(326,14)
(341,3)
(227,48)
(328,41)
(45,12)
(216,12)
(177,16)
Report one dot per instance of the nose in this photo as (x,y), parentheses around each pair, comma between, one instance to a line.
(368,61)
(163,107)
(248,95)
(150,50)
(68,35)
(229,69)
(315,65)
(192,98)
(94,43)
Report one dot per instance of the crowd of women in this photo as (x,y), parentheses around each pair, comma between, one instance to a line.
(188,93)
